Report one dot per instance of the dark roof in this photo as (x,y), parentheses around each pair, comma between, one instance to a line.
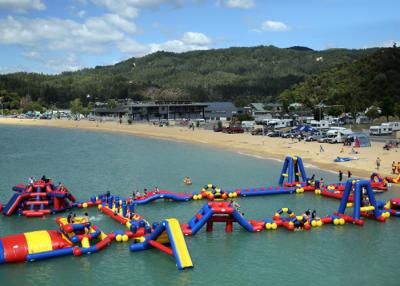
(219,106)
(118,109)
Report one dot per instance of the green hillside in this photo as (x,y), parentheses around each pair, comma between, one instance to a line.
(238,74)
(374,80)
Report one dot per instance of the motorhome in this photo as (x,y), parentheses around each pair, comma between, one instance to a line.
(380,130)
(320,125)
(394,125)
(337,135)
(248,124)
(278,123)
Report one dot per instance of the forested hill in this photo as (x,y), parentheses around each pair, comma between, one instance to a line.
(238,74)
(374,80)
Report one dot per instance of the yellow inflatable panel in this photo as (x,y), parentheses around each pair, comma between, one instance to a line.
(38,241)
(182,253)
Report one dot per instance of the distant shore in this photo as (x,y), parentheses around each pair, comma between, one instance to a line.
(260,146)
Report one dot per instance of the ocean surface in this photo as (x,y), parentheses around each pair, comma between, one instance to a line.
(89,163)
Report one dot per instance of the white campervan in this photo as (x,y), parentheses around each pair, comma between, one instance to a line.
(337,135)
(394,125)
(380,130)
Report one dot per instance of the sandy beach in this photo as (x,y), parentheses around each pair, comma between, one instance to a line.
(260,146)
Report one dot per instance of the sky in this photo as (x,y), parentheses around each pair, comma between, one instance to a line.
(52,36)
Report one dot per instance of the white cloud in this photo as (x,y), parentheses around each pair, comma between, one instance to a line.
(243,4)
(22,5)
(95,34)
(193,38)
(132,47)
(274,26)
(129,8)
(190,41)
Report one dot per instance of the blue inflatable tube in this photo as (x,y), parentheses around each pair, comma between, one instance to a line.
(162,196)
(240,219)
(253,192)
(197,226)
(50,254)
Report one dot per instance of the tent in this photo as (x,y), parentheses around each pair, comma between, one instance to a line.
(359,140)
(305,128)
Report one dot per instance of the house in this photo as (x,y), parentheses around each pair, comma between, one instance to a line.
(265,111)
(220,110)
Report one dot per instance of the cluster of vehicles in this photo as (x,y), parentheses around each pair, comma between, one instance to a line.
(319,131)
(334,135)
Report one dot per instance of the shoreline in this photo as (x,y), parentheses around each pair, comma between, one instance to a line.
(260,147)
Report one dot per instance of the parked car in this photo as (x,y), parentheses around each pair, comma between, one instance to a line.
(218,129)
(233,129)
(274,134)
(257,131)
(313,137)
(323,139)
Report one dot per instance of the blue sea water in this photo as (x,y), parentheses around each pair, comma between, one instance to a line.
(89,163)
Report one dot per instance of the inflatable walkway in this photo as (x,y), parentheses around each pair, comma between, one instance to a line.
(166,195)
(219,212)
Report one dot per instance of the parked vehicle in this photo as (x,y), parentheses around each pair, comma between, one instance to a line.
(394,125)
(274,133)
(233,129)
(314,137)
(337,135)
(380,130)
(257,131)
(248,124)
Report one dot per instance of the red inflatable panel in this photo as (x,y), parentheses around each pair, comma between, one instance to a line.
(15,248)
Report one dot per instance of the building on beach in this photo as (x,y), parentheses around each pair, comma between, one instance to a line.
(220,110)
(166,110)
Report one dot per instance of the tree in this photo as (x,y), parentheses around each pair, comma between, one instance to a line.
(76,106)
(112,103)
(373,113)
(387,107)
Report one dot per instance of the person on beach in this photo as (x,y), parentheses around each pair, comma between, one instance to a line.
(398,167)
(378,163)
(349,174)
(340,175)
(321,149)
(394,167)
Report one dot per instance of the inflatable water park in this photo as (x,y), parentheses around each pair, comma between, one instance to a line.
(77,236)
